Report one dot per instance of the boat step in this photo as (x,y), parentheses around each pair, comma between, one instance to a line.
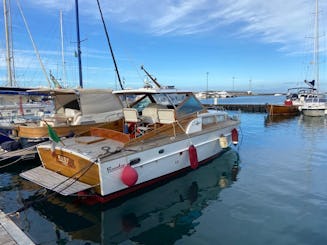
(54,181)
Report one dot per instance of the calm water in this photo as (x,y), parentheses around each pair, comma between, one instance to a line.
(278,196)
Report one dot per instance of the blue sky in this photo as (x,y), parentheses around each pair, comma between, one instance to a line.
(229,45)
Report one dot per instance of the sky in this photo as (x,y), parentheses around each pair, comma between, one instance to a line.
(233,45)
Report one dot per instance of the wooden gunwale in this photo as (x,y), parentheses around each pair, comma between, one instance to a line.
(42,132)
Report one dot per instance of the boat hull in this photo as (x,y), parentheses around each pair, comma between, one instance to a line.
(282,110)
(314,109)
(151,162)
(313,112)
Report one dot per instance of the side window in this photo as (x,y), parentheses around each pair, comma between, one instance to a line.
(189,106)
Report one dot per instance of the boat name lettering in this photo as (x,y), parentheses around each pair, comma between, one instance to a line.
(112,169)
(66,161)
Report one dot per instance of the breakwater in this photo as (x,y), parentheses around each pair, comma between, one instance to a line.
(242,107)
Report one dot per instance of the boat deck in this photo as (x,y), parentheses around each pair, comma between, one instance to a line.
(94,147)
(54,181)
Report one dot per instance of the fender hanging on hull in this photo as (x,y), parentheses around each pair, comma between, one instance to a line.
(193,155)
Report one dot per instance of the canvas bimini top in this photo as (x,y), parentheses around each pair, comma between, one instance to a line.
(88,101)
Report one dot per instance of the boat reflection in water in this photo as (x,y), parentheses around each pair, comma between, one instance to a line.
(172,207)
(313,122)
(269,120)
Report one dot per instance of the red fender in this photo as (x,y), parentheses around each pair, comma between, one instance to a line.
(193,157)
(129,176)
(234,136)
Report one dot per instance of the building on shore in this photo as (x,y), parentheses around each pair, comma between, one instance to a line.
(221,94)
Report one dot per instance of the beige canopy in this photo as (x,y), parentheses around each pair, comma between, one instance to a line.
(88,101)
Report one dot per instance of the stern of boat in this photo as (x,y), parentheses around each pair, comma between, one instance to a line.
(70,165)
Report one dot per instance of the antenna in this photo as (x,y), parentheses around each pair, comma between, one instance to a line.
(154,80)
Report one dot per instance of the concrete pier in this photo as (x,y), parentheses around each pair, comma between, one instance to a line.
(242,107)
(11,234)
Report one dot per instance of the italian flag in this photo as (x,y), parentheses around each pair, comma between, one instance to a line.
(52,134)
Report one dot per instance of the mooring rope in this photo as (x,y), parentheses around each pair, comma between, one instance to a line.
(40,198)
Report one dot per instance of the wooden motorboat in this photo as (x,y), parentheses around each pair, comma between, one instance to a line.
(175,203)
(166,131)
(75,111)
(282,110)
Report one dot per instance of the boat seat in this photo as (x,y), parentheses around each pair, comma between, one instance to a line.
(167,116)
(70,113)
(131,115)
(150,115)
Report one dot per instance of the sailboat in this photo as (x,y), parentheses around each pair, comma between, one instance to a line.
(314,105)
(74,112)
(17,105)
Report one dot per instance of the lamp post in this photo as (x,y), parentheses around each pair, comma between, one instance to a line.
(233,82)
(207,93)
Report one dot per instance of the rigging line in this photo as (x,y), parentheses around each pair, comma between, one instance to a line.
(33,43)
(111,51)
(11,163)
(83,171)
(17,151)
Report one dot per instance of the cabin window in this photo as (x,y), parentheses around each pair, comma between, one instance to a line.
(208,120)
(189,106)
(221,118)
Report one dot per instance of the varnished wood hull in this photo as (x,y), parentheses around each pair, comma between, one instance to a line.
(35,132)
(279,110)
(71,166)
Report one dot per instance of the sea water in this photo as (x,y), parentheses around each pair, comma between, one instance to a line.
(269,189)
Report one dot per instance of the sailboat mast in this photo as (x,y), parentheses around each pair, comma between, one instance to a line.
(111,51)
(78,46)
(8,43)
(62,51)
(33,43)
(316,45)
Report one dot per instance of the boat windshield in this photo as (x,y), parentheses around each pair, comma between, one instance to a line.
(185,103)
(190,105)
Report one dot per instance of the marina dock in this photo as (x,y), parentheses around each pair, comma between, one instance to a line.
(261,108)
(11,234)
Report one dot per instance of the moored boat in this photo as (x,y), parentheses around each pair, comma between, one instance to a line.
(282,110)
(75,110)
(173,205)
(314,107)
(166,131)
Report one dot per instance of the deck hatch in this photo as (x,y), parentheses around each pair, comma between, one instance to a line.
(52,181)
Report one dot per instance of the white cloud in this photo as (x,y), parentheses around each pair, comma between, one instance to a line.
(277,21)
